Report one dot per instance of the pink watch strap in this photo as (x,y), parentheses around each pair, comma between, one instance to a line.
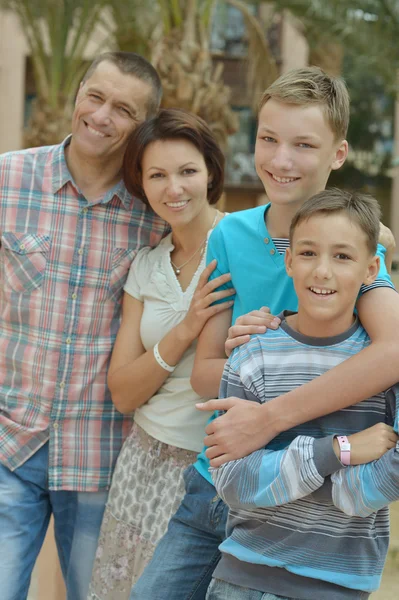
(345,450)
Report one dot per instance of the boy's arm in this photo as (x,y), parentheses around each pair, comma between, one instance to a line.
(266,477)
(364,489)
(246,427)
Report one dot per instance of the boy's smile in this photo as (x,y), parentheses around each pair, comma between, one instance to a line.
(328,261)
(295,152)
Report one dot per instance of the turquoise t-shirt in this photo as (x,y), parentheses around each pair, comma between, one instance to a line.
(243,247)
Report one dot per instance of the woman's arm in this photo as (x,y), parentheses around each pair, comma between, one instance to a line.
(134,374)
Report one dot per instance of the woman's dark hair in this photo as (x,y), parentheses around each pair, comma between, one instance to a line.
(173,124)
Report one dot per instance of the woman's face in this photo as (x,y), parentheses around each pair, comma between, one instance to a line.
(175,180)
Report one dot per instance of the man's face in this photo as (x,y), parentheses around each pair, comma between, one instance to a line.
(295,152)
(329,260)
(109,106)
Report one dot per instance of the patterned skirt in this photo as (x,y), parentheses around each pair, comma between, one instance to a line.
(147,488)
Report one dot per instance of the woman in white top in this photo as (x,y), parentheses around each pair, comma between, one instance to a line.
(174,164)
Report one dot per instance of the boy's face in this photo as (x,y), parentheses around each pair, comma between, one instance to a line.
(328,260)
(295,152)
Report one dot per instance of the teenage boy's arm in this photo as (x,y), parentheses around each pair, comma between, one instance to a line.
(364,489)
(246,427)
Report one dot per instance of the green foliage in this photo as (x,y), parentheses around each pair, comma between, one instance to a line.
(368,29)
(57,33)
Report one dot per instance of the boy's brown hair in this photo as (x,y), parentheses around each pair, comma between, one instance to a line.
(361,209)
(311,85)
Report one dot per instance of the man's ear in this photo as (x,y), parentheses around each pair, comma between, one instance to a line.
(372,270)
(288,261)
(78,92)
(340,155)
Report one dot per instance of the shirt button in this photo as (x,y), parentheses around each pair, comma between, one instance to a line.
(22,247)
(85,210)
(62,384)
(272,251)
(68,340)
(80,251)
(55,425)
(266,240)
(74,296)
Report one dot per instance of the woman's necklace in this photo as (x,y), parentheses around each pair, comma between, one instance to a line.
(201,246)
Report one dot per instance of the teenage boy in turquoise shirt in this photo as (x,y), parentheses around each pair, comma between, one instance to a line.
(303,120)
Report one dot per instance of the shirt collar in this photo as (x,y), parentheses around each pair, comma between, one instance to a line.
(61,176)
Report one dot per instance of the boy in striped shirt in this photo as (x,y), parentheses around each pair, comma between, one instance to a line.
(304,524)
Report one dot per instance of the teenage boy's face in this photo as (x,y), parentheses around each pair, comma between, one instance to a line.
(295,152)
(328,261)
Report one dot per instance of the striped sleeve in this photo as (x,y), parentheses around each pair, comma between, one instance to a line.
(265,478)
(364,489)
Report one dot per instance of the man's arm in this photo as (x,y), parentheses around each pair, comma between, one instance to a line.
(246,428)
(364,489)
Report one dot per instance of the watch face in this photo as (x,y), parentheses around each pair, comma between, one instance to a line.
(345,446)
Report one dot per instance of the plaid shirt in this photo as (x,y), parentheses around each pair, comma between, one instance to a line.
(63,264)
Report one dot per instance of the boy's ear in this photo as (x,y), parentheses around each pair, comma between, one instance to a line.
(340,155)
(288,261)
(372,270)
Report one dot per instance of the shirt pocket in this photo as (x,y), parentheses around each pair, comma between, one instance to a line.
(24,257)
(121,260)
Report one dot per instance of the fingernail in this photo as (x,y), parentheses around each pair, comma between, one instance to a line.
(275,322)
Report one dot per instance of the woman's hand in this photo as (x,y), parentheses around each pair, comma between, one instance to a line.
(370,444)
(256,321)
(202,305)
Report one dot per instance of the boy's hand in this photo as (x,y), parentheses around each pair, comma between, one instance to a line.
(256,321)
(388,241)
(370,444)
(386,238)
(237,433)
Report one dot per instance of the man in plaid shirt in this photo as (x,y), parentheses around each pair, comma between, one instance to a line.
(69,231)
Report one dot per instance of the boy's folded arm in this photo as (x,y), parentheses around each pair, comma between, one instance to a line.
(272,477)
(364,489)
(269,478)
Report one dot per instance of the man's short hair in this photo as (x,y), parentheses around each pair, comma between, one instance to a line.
(311,85)
(133,64)
(361,209)
(173,124)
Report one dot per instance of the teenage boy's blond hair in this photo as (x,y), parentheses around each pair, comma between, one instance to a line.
(361,209)
(311,85)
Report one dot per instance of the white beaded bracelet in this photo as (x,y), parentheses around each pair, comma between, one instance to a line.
(161,361)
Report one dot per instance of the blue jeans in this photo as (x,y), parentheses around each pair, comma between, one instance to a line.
(26,505)
(185,558)
(220,590)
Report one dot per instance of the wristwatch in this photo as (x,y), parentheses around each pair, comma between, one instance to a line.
(345,450)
